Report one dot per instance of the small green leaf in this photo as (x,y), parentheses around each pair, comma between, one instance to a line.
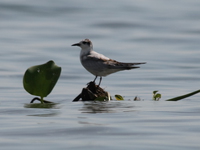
(119,97)
(183,96)
(156,96)
(40,80)
(154,92)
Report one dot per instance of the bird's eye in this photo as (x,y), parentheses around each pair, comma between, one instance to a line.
(84,42)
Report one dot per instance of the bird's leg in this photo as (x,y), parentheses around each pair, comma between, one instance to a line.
(95,79)
(100,81)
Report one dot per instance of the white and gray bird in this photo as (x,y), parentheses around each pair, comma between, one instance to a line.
(98,64)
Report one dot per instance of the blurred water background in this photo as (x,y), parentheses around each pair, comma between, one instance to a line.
(165,34)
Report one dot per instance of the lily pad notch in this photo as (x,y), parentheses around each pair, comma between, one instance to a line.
(40,80)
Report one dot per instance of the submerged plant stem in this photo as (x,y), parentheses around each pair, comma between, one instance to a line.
(42,100)
(36,98)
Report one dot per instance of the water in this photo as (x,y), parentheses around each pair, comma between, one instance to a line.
(165,34)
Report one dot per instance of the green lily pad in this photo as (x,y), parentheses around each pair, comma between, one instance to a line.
(40,80)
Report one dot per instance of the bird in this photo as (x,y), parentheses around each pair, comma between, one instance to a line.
(98,64)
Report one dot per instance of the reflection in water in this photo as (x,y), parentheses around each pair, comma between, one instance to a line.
(106,107)
(50,114)
(45,110)
(91,123)
(39,105)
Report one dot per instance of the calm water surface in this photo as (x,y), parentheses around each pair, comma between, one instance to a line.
(165,34)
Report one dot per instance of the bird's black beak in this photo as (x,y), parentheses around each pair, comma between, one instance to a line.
(76,44)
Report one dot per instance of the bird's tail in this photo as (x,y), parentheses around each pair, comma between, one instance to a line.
(130,65)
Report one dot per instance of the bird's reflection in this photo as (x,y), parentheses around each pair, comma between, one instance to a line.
(106,107)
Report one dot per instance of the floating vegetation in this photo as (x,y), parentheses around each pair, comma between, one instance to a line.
(40,80)
(156,96)
(183,96)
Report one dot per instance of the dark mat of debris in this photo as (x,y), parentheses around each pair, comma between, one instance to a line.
(90,93)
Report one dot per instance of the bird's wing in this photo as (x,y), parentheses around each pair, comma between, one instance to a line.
(96,55)
(104,62)
(112,64)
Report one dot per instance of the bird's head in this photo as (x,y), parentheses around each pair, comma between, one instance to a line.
(84,44)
